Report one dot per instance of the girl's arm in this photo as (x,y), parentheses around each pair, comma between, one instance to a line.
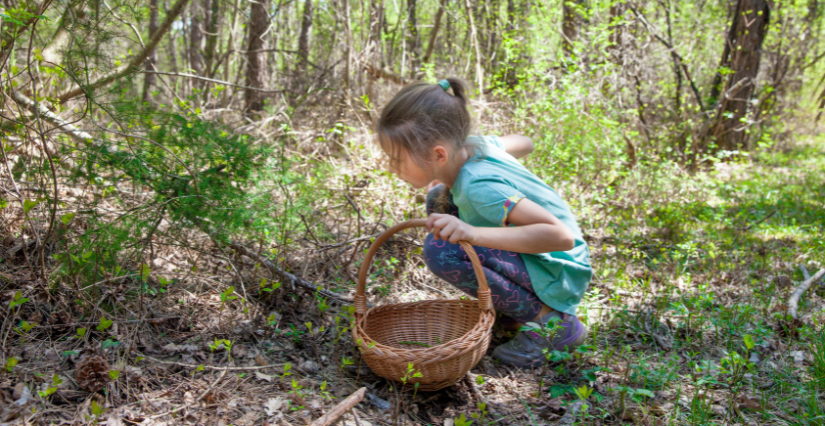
(516,145)
(536,230)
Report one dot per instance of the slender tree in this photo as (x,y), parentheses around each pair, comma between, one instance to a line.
(212,19)
(255,58)
(742,54)
(571,21)
(196,38)
(304,36)
(151,60)
(413,38)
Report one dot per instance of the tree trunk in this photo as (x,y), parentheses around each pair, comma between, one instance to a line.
(255,59)
(149,64)
(347,52)
(572,18)
(742,54)
(434,32)
(70,18)
(413,40)
(195,39)
(212,16)
(676,60)
(173,57)
(303,37)
(617,11)
(511,15)
(474,38)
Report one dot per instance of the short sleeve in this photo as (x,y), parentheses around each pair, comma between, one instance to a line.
(495,141)
(493,198)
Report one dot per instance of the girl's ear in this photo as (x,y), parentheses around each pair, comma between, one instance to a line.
(440,155)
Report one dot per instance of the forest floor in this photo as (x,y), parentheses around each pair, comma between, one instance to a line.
(688,318)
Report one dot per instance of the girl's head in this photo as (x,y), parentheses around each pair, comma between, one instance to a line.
(423,127)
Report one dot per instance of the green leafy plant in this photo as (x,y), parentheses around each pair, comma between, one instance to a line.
(104,324)
(56,382)
(462,421)
(17,300)
(11,363)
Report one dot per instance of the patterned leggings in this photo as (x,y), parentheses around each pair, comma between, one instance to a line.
(510,287)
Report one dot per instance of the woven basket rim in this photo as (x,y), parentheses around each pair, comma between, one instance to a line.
(423,350)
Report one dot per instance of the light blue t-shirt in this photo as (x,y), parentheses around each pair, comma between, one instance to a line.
(487,188)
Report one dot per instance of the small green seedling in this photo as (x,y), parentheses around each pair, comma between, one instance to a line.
(81,332)
(17,300)
(11,363)
(462,421)
(104,324)
(26,326)
(56,381)
(227,295)
(324,392)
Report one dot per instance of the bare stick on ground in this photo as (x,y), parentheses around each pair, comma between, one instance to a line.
(793,302)
(339,410)
(292,279)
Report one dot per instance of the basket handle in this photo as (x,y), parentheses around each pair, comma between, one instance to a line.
(360,294)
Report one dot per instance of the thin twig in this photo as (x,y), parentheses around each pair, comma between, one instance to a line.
(196,400)
(211,80)
(672,51)
(759,221)
(211,367)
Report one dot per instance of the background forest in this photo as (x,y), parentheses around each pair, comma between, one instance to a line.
(189,187)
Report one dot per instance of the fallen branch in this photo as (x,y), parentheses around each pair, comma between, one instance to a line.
(339,410)
(290,278)
(40,109)
(770,215)
(793,302)
(807,275)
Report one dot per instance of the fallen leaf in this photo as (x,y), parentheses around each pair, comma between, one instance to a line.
(262,376)
(259,360)
(798,357)
(273,406)
(749,403)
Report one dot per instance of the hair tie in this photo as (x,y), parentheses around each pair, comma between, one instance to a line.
(444,84)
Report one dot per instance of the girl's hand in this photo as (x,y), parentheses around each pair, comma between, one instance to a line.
(450,228)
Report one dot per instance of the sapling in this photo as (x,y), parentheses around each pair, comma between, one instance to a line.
(548,332)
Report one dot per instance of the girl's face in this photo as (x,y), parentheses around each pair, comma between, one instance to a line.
(407,169)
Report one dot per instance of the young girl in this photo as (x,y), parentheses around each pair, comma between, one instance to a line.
(535,259)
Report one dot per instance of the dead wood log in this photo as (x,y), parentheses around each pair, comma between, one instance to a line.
(334,415)
(793,302)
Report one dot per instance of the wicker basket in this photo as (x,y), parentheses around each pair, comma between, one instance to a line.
(443,339)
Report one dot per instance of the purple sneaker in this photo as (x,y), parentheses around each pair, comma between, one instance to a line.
(525,350)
